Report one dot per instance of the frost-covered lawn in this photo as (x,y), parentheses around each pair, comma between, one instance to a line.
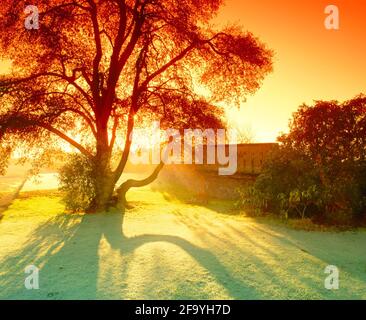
(165,249)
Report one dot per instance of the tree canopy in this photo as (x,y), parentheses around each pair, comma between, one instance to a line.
(330,131)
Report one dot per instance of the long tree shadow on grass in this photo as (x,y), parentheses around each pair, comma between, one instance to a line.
(288,263)
(66,249)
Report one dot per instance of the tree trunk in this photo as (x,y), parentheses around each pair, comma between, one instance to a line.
(104,191)
(104,180)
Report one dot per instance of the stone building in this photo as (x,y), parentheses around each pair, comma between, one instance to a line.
(250,158)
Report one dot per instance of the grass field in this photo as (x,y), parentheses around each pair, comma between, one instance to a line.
(167,249)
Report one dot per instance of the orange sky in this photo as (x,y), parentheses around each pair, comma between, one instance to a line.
(310,61)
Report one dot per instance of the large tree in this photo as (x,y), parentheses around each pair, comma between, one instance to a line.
(96,67)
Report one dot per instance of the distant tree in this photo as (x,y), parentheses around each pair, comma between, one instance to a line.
(95,68)
(244,134)
(321,163)
(330,133)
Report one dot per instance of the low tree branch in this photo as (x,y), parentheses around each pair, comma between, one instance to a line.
(131,183)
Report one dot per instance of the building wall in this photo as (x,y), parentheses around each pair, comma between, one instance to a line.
(250,158)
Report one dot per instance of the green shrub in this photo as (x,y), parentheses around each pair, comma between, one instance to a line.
(291,186)
(299,202)
(77,181)
(251,199)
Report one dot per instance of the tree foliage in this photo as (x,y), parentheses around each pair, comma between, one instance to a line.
(330,132)
(77,181)
(319,167)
